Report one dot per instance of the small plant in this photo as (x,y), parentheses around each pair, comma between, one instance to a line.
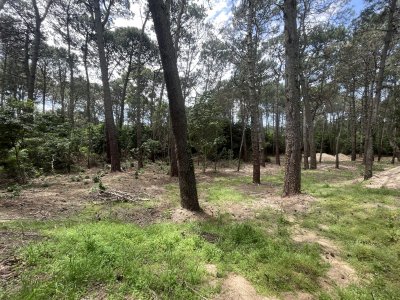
(96,178)
(102,187)
(76,178)
(15,190)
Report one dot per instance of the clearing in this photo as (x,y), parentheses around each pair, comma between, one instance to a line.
(97,235)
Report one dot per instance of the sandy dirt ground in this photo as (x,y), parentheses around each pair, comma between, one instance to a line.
(61,196)
(386,179)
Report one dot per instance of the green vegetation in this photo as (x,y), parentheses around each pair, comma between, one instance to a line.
(86,256)
(118,259)
(365,222)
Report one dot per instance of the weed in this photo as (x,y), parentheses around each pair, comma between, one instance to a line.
(15,190)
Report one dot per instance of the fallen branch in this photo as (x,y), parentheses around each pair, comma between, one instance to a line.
(119,196)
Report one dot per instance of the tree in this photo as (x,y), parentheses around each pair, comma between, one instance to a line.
(206,126)
(373,110)
(253,100)
(39,18)
(187,180)
(111,132)
(292,184)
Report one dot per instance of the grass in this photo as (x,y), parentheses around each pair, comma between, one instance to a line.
(81,257)
(119,260)
(365,223)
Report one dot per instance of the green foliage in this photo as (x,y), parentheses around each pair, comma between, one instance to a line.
(15,190)
(34,143)
(121,258)
(206,126)
(150,146)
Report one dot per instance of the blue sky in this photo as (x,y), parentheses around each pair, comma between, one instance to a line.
(357,5)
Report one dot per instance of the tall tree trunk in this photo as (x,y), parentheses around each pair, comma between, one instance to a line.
(4,77)
(379,86)
(254,109)
(242,143)
(277,119)
(292,183)
(71,65)
(35,56)
(353,122)
(138,95)
(262,142)
(306,148)
(187,180)
(173,172)
(88,100)
(309,139)
(36,46)
(322,140)
(337,143)
(44,91)
(111,132)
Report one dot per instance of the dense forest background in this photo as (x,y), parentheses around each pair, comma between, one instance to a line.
(57,116)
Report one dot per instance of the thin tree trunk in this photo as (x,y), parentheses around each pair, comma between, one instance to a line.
(111,132)
(123,96)
(292,183)
(138,96)
(277,119)
(187,180)
(379,86)
(337,144)
(88,100)
(322,141)
(254,109)
(353,122)
(71,65)
(242,142)
(36,47)
(306,149)
(44,92)
(261,143)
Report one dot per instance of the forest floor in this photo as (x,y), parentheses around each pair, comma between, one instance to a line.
(62,237)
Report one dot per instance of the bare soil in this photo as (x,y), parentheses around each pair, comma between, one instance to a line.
(340,273)
(386,179)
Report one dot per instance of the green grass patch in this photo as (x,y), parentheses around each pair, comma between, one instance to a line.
(271,261)
(366,223)
(119,260)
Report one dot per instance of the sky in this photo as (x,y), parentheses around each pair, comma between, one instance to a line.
(218,12)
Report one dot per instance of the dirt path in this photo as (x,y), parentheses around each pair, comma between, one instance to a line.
(386,179)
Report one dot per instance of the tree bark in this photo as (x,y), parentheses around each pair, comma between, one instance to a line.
(292,184)
(138,96)
(36,47)
(88,100)
(187,180)
(262,142)
(378,90)
(337,143)
(254,109)
(71,65)
(353,122)
(277,119)
(111,131)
